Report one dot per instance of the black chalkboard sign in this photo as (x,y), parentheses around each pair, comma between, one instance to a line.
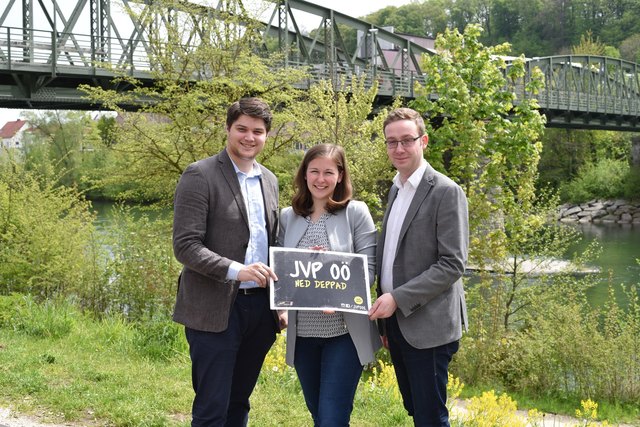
(319,280)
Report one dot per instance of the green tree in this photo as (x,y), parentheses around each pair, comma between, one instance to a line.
(505,16)
(425,19)
(624,21)
(521,333)
(563,153)
(630,48)
(588,46)
(64,139)
(202,63)
(409,19)
(489,138)
(342,114)
(567,151)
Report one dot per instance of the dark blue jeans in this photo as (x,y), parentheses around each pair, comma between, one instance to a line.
(225,365)
(422,377)
(329,371)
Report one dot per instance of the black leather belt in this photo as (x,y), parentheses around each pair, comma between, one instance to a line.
(251,291)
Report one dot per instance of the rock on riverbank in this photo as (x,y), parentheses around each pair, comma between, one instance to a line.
(601,212)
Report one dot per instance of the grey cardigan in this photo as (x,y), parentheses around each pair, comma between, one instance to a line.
(349,230)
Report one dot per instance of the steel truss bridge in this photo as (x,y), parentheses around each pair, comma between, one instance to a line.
(47,50)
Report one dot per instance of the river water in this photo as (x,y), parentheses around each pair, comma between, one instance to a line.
(617,262)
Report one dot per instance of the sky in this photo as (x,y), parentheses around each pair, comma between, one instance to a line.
(355,8)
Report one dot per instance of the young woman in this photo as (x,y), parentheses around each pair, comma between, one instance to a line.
(328,349)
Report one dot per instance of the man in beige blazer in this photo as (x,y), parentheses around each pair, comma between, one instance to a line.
(421,257)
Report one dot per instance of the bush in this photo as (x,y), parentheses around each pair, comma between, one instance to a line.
(8,305)
(44,235)
(491,410)
(632,184)
(142,270)
(603,180)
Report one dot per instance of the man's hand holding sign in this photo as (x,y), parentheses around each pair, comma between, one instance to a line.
(319,280)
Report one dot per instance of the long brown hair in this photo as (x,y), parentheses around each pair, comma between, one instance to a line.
(302,201)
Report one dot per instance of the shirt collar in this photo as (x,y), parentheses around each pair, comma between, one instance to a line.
(414,179)
(255,170)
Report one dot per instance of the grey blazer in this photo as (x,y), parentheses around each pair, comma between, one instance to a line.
(430,261)
(210,230)
(349,230)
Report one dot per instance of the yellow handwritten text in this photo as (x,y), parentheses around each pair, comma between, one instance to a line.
(330,284)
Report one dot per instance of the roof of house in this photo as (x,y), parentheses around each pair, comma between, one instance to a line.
(10,129)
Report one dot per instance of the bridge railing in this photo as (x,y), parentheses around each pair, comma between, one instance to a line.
(391,83)
(585,84)
(57,52)
(76,53)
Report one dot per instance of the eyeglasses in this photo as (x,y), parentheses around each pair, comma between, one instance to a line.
(405,142)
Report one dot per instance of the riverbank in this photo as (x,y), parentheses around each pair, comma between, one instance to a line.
(601,212)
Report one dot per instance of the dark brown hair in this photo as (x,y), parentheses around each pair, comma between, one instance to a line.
(302,201)
(252,107)
(405,114)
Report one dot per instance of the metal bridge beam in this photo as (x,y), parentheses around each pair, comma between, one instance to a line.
(41,66)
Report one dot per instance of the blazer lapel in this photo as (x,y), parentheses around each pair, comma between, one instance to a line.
(295,230)
(230,175)
(332,231)
(422,191)
(270,202)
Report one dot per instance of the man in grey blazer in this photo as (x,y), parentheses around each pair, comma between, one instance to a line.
(421,257)
(225,219)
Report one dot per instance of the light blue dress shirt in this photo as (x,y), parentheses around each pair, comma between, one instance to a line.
(258,248)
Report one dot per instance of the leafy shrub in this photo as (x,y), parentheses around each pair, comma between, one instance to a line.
(142,270)
(490,410)
(567,347)
(632,184)
(8,307)
(605,180)
(44,233)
